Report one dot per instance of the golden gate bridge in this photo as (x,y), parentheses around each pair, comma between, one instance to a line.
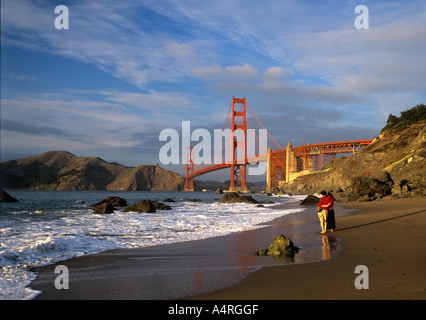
(282,165)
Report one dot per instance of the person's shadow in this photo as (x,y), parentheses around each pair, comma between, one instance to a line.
(383,220)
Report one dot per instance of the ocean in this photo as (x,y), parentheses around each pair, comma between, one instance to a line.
(45,227)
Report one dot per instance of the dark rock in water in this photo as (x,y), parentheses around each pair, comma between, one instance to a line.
(280,246)
(142,206)
(233,197)
(161,206)
(5,197)
(169,200)
(114,201)
(103,208)
(219,191)
(192,200)
(310,200)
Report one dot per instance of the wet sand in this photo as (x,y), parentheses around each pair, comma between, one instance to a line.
(387,236)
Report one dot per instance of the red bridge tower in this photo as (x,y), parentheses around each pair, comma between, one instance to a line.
(239,140)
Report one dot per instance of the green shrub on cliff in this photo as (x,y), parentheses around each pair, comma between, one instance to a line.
(407,118)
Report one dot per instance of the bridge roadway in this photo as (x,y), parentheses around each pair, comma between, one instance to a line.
(351,146)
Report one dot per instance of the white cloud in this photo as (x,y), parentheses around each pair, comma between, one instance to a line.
(218,73)
(208,73)
(273,83)
(158,103)
(380,59)
(83,122)
(104,33)
(320,40)
(181,51)
(296,34)
(276,74)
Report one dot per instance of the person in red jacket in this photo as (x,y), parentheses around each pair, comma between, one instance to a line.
(323,206)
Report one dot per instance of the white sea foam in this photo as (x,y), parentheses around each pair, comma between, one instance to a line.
(30,239)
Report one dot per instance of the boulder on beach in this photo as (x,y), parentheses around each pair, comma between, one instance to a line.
(5,197)
(310,200)
(280,246)
(365,186)
(146,206)
(103,208)
(233,197)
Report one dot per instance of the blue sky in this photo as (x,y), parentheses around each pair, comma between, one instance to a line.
(125,70)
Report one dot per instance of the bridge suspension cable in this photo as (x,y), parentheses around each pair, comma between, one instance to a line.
(263,127)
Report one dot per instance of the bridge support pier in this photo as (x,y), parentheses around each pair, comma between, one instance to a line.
(189,187)
(189,182)
(268,169)
(289,162)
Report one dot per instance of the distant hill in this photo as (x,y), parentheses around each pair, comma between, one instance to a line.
(393,164)
(212,185)
(62,170)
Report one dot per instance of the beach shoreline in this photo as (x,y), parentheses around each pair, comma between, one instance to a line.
(185,268)
(386,236)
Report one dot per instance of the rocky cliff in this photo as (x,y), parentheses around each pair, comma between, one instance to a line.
(61,170)
(393,164)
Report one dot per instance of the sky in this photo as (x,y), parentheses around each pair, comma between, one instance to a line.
(125,70)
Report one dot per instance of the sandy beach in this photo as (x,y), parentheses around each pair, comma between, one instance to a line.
(387,236)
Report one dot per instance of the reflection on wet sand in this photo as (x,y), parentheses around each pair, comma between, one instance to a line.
(329,247)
